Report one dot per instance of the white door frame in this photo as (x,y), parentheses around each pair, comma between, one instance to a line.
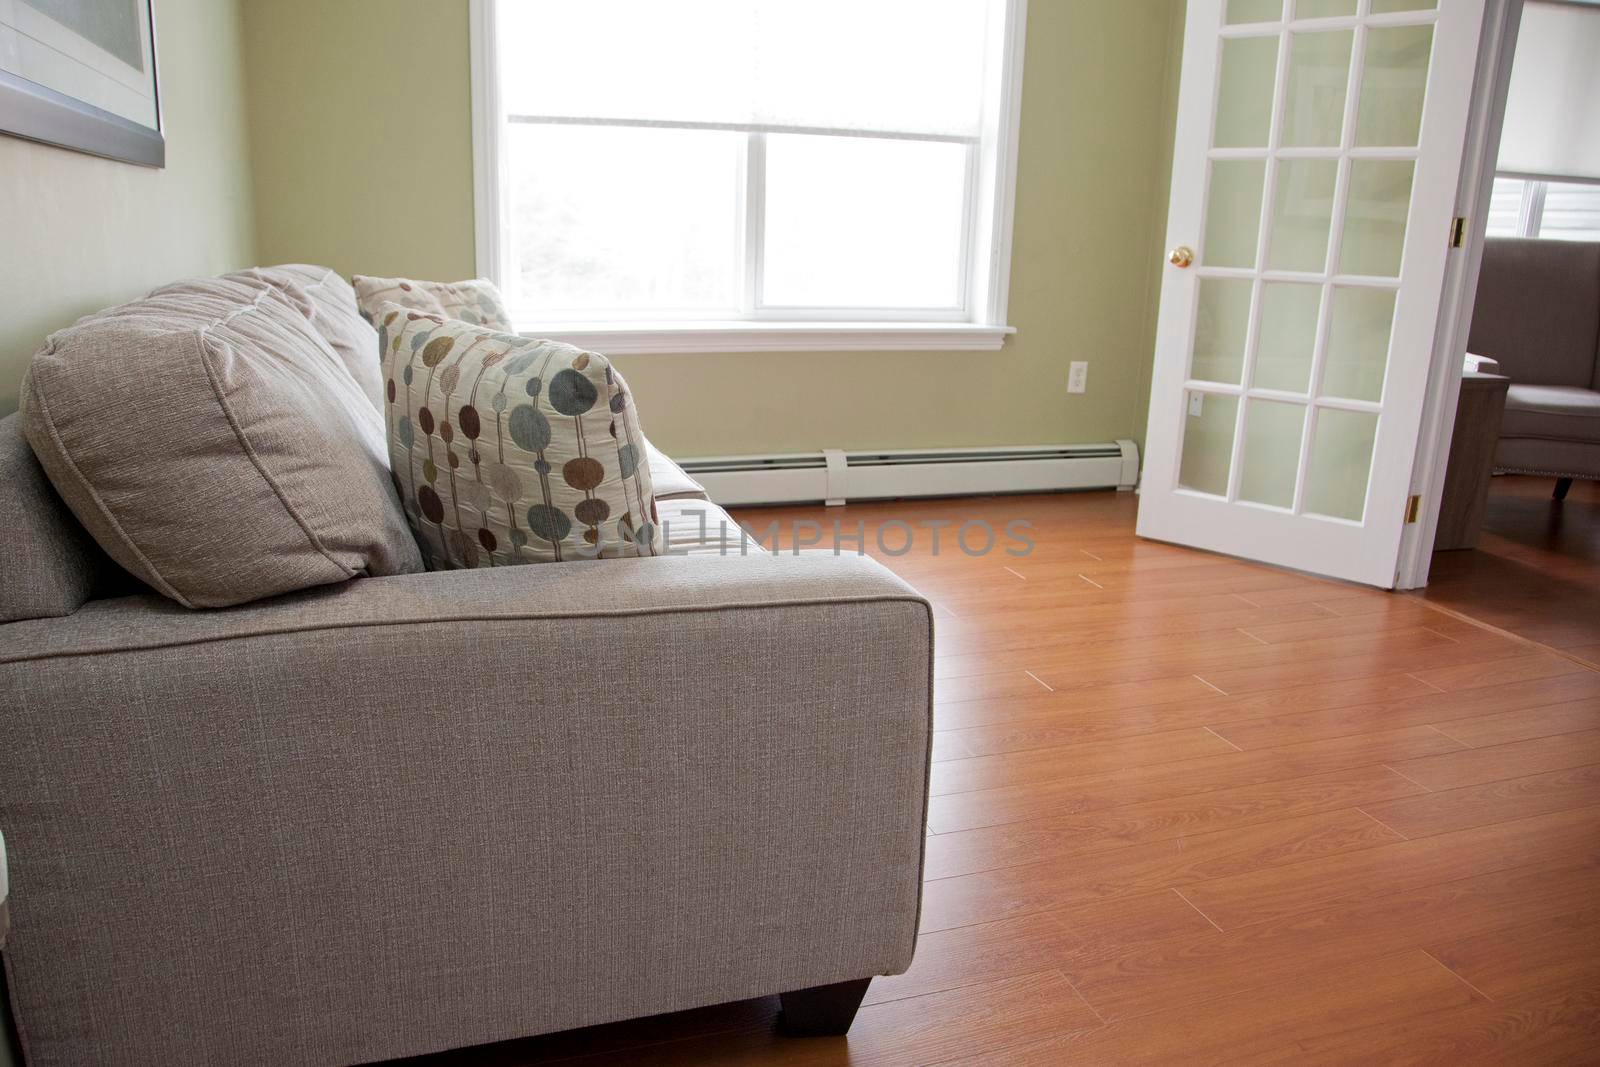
(1502,18)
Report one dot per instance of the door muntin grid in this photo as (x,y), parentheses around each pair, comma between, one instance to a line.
(1303,241)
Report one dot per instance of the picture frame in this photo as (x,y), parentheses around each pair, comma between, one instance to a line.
(82,75)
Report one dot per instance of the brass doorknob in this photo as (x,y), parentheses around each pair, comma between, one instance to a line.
(1181,256)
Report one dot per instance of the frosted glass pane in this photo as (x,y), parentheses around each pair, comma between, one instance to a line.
(1208,427)
(1323,9)
(1358,343)
(1254,11)
(1244,92)
(1303,214)
(1233,212)
(1392,85)
(1319,71)
(1288,335)
(1221,320)
(590,237)
(1384,7)
(1341,459)
(855,222)
(1375,217)
(1271,452)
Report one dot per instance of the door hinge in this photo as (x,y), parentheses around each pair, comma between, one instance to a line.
(1458,231)
(1413,505)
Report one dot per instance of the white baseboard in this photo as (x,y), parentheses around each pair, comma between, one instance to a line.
(835,476)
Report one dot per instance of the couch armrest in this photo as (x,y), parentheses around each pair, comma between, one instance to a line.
(423,811)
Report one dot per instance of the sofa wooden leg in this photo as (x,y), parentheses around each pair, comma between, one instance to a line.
(824,1010)
(1562,485)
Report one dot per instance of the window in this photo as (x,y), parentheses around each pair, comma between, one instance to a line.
(658,175)
(1567,211)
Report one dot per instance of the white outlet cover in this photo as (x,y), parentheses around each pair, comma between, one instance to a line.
(1196,403)
(1078,377)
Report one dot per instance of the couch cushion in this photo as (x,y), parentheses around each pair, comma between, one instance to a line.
(476,301)
(508,449)
(215,446)
(1538,310)
(671,480)
(52,564)
(1552,412)
(330,303)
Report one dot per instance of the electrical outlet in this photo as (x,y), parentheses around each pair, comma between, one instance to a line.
(1078,377)
(1196,404)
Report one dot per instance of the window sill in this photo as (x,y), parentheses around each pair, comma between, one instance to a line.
(643,337)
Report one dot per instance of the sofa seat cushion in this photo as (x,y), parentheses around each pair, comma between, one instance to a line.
(1552,412)
(694,526)
(476,301)
(671,481)
(509,449)
(330,303)
(214,445)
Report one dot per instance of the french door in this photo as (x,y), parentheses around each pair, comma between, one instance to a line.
(1319,145)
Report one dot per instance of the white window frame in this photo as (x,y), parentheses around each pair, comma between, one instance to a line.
(978,325)
(1530,212)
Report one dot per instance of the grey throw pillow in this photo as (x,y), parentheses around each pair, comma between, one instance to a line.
(214,445)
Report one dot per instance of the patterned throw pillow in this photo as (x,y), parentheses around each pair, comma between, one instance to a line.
(477,301)
(507,449)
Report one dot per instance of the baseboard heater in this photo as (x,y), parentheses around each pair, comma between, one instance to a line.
(835,476)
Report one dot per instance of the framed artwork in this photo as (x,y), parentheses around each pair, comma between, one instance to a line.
(81,74)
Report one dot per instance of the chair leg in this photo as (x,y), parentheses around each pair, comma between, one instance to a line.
(1562,485)
(824,1010)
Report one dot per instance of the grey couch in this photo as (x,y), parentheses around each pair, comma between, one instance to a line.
(286,833)
(1538,316)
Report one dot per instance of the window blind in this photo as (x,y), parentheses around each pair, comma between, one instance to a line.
(1552,125)
(909,67)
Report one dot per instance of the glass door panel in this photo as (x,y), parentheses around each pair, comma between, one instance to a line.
(1241,11)
(1208,442)
(1271,452)
(1220,330)
(1375,217)
(1341,461)
(1393,81)
(1233,212)
(1319,70)
(1302,215)
(1244,105)
(1358,343)
(1288,336)
(1389,7)
(1324,9)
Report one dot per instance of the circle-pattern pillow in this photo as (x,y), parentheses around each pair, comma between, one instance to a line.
(508,449)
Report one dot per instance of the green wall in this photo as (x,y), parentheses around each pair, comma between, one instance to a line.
(79,233)
(362,158)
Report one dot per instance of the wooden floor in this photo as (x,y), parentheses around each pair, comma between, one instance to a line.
(1192,810)
(1536,570)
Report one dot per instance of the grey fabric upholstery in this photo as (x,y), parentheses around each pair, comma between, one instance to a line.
(1552,412)
(325,298)
(1538,310)
(1554,459)
(1538,316)
(51,565)
(424,811)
